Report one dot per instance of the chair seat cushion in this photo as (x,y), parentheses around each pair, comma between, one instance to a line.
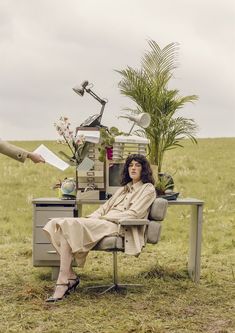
(110,243)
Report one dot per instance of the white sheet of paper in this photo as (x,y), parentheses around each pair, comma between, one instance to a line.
(86,164)
(51,158)
(90,136)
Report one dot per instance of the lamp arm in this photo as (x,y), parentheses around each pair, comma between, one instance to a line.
(102,101)
(102,110)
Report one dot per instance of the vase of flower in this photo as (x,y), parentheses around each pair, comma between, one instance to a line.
(77,145)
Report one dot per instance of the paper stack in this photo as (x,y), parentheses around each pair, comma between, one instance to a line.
(90,136)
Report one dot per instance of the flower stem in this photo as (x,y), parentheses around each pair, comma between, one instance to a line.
(69,145)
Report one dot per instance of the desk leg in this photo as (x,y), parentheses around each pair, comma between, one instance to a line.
(54,272)
(195,242)
(79,206)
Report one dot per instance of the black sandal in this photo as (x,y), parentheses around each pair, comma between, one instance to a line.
(74,286)
(52,299)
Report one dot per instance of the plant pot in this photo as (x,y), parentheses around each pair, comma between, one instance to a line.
(109,153)
(159,192)
(169,196)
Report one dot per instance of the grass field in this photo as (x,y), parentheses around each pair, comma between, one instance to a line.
(169,300)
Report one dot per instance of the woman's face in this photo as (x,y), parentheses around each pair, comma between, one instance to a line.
(135,170)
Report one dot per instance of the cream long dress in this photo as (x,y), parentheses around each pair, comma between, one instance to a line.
(82,234)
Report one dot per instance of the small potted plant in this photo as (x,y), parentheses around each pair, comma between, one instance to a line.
(164,187)
(106,142)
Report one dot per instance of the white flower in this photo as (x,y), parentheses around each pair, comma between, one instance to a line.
(80,139)
(63,129)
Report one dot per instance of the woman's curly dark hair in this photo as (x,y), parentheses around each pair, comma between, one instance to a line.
(146,174)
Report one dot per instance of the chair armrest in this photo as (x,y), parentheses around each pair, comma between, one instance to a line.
(133,222)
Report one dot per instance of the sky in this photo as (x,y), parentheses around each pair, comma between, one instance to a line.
(49,46)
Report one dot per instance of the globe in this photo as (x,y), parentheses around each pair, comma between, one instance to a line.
(68,187)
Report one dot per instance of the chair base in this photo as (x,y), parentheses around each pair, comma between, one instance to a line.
(113,287)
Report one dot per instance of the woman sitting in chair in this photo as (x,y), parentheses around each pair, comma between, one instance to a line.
(75,237)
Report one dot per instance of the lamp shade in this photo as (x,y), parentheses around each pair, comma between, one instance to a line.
(142,119)
(79,90)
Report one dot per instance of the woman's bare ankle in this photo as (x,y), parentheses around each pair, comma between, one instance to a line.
(62,278)
(72,275)
(60,290)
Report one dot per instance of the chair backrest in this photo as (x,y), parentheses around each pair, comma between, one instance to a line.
(158,209)
(157,213)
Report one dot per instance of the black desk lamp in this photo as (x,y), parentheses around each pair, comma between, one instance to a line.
(95,120)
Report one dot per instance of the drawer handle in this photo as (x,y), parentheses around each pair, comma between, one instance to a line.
(51,252)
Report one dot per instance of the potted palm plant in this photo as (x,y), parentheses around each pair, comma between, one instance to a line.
(148,88)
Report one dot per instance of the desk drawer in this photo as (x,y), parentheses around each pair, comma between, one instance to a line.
(92,173)
(40,236)
(43,214)
(82,184)
(44,252)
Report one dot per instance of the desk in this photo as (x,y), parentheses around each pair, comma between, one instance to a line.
(44,208)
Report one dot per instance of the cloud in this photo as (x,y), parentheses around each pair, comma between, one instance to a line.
(47,47)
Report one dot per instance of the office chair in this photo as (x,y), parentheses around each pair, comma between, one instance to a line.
(115,244)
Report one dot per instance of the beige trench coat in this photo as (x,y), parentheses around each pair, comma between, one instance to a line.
(12,151)
(82,234)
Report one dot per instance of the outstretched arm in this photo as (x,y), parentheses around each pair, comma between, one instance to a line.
(17,153)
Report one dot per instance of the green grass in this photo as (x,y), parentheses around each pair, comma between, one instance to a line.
(169,300)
